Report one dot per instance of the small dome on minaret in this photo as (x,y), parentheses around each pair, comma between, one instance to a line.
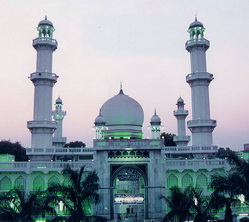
(180,100)
(58,101)
(196,24)
(45,22)
(100,120)
(155,119)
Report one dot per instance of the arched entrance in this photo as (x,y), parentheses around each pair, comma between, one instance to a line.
(129,194)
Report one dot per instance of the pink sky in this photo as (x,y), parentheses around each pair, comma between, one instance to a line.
(138,42)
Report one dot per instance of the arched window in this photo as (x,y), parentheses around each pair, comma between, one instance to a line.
(201,180)
(20,183)
(5,183)
(172,181)
(187,180)
(52,180)
(38,183)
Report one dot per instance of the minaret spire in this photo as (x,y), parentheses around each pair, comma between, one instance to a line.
(181,139)
(58,115)
(42,127)
(199,79)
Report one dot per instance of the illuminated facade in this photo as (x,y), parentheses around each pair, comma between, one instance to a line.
(133,171)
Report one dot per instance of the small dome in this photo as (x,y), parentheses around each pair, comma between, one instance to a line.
(196,24)
(124,116)
(155,119)
(58,101)
(180,100)
(100,120)
(45,22)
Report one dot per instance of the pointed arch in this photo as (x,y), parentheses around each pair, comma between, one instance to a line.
(187,180)
(20,183)
(172,181)
(5,183)
(201,180)
(53,179)
(38,183)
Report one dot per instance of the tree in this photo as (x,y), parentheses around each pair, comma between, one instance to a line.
(81,189)
(191,203)
(16,149)
(18,206)
(168,139)
(206,206)
(238,176)
(75,144)
(180,202)
(227,185)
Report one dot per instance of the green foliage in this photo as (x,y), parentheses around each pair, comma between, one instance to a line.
(75,144)
(17,205)
(16,149)
(190,203)
(168,139)
(80,192)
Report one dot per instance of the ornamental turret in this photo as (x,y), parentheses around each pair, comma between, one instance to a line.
(100,126)
(181,139)
(199,79)
(58,116)
(155,126)
(42,127)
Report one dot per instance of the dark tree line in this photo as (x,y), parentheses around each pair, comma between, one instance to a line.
(16,149)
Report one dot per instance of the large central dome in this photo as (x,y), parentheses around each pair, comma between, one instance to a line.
(124,117)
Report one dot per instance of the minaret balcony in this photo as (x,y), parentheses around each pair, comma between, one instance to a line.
(200,42)
(181,138)
(41,124)
(199,76)
(201,123)
(181,112)
(45,41)
(44,75)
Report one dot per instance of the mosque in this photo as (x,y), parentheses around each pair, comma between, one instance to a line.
(134,171)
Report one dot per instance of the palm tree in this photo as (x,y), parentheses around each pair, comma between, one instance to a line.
(239,174)
(191,203)
(180,202)
(228,185)
(16,205)
(81,189)
(206,206)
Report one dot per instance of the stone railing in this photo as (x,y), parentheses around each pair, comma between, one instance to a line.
(75,150)
(195,164)
(190,149)
(44,166)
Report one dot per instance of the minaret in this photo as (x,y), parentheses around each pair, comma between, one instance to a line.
(100,126)
(201,126)
(181,139)
(58,115)
(42,127)
(155,126)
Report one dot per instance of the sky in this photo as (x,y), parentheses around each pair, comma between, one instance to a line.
(138,42)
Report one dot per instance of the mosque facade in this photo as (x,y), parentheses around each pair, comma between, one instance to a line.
(134,171)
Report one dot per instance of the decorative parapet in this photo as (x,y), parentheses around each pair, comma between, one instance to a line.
(196,164)
(190,149)
(61,151)
(44,166)
(128,143)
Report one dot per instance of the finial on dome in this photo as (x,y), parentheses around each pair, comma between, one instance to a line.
(46,18)
(155,111)
(121,88)
(196,17)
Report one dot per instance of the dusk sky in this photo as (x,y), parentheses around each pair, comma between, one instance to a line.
(138,42)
